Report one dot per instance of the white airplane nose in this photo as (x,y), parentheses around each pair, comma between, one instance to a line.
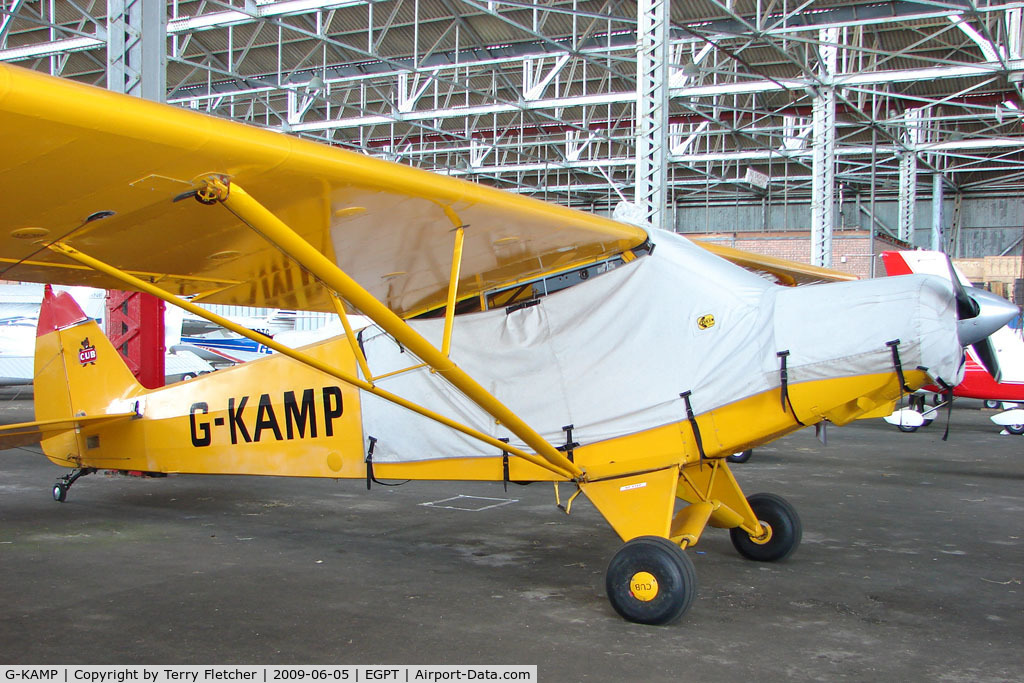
(850,328)
(993,312)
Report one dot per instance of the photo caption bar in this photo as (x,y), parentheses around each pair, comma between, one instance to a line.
(305,673)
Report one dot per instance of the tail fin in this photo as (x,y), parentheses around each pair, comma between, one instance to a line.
(920,261)
(78,372)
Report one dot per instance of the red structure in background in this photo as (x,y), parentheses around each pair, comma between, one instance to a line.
(135,326)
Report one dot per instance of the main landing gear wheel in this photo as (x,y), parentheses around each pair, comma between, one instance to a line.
(1015,429)
(782,525)
(650,580)
(742,456)
(992,405)
(908,429)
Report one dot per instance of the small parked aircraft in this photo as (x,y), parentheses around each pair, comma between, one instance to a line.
(19,318)
(1001,355)
(512,340)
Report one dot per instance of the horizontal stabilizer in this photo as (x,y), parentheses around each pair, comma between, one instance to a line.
(28,433)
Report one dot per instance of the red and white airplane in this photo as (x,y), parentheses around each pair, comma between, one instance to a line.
(994,370)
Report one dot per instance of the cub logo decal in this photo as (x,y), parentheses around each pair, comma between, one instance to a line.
(87,354)
(705,321)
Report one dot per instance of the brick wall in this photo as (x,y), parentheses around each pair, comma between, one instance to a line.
(851,249)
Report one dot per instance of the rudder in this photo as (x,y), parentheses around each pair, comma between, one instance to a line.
(78,372)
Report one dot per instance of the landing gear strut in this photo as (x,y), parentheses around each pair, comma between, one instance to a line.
(60,489)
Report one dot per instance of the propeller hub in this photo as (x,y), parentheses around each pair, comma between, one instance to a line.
(993,312)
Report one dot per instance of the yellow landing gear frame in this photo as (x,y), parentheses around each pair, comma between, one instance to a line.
(650,579)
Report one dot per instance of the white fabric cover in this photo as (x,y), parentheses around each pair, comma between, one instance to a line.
(611,355)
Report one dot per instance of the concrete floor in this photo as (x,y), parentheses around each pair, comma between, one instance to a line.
(910,569)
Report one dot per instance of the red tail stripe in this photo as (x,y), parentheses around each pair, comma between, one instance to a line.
(58,311)
(895,264)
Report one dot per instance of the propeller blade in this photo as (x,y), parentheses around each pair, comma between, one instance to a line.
(985,353)
(966,306)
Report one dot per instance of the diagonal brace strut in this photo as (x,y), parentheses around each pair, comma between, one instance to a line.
(143,286)
(275,231)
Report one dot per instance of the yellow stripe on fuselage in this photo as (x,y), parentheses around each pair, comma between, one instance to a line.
(275,416)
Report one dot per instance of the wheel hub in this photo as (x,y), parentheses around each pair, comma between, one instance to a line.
(643,586)
(765,537)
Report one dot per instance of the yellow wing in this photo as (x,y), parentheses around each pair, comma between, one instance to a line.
(112,176)
(784,272)
(101,172)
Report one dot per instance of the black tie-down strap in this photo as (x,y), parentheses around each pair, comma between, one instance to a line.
(947,389)
(505,477)
(693,424)
(784,384)
(569,443)
(369,468)
(895,346)
(504,465)
(947,392)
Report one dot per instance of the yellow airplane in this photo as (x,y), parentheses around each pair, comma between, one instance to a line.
(631,386)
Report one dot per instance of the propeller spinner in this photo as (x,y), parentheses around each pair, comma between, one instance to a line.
(979,314)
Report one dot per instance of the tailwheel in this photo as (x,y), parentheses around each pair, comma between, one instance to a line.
(60,489)
(650,580)
(782,529)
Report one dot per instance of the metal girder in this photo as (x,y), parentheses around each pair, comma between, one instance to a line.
(136,54)
(938,231)
(823,144)
(542,97)
(651,195)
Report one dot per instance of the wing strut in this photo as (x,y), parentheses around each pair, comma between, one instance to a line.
(141,285)
(275,231)
(453,290)
(339,308)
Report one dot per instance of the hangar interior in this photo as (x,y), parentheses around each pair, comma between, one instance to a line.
(817,130)
(822,131)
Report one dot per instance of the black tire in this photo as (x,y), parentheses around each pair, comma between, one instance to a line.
(1015,429)
(786,529)
(60,492)
(187,375)
(742,456)
(992,405)
(669,595)
(906,428)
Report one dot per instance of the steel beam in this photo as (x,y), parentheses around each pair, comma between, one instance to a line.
(823,147)
(651,194)
(136,52)
(938,232)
